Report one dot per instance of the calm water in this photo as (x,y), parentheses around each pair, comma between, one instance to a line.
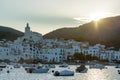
(93,74)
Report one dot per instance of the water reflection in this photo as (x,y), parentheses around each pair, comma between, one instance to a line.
(92,74)
(96,74)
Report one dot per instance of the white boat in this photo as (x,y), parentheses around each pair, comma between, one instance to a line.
(28,65)
(118,71)
(52,66)
(64,73)
(40,70)
(117,66)
(63,65)
(49,66)
(17,66)
(97,66)
(3,65)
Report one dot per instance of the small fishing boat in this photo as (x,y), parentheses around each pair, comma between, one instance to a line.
(118,71)
(49,66)
(97,66)
(81,69)
(64,73)
(40,70)
(52,66)
(17,66)
(29,69)
(3,65)
(117,66)
(63,65)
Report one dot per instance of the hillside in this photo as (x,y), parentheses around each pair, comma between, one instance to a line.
(106,31)
(9,33)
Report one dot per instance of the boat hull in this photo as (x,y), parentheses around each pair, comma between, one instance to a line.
(40,70)
(64,73)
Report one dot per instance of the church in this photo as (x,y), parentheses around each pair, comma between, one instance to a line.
(29,36)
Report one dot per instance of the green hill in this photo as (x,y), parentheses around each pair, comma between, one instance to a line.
(106,31)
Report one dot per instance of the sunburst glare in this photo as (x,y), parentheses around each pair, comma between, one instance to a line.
(96,16)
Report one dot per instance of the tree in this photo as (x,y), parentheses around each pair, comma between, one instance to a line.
(7,60)
(79,56)
(29,61)
(88,57)
(21,61)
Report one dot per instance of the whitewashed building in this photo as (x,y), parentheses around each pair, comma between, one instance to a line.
(33,46)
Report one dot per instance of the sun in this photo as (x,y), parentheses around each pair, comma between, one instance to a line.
(96,16)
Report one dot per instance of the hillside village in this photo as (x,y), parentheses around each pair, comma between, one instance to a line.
(33,46)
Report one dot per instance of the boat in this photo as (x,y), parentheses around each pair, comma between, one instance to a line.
(3,65)
(49,66)
(118,71)
(117,66)
(28,65)
(52,66)
(63,65)
(17,66)
(29,69)
(40,70)
(81,69)
(1,69)
(97,66)
(64,73)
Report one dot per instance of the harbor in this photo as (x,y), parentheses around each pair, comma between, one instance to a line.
(110,73)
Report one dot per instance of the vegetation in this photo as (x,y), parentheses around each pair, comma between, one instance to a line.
(105,60)
(81,56)
(106,32)
(116,61)
(29,61)
(6,60)
(21,61)
(9,33)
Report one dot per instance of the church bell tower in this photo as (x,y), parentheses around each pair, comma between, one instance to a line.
(27,31)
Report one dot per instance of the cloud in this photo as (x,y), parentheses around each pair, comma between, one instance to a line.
(48,19)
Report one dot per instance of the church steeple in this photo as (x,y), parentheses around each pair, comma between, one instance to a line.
(27,31)
(27,25)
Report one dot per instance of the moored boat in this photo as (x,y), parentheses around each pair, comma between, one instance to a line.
(64,73)
(52,66)
(117,66)
(63,65)
(17,66)
(97,66)
(81,69)
(29,69)
(40,69)
(118,71)
(3,65)
(49,66)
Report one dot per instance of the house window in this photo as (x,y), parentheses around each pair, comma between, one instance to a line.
(55,53)
(7,54)
(26,55)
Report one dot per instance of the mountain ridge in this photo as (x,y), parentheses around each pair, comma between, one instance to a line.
(9,33)
(106,31)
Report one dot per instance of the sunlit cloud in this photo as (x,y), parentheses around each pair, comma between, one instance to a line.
(47,15)
(95,16)
(81,20)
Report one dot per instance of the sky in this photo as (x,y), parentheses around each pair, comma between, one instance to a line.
(45,16)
